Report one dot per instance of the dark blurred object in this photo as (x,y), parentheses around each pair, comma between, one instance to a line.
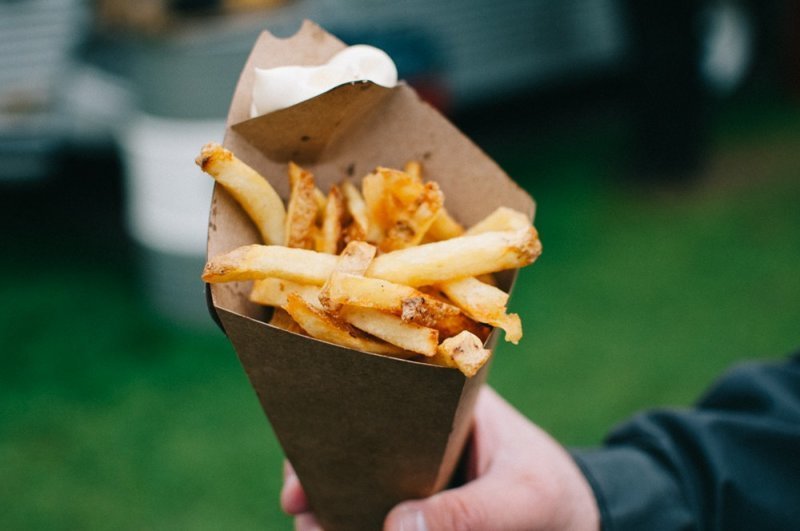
(791,28)
(37,39)
(669,99)
(156,16)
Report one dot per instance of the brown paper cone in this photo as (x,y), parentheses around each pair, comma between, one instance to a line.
(362,431)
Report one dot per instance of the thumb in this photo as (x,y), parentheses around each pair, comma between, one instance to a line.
(472,507)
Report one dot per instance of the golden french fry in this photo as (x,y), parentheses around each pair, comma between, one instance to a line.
(414,169)
(444,227)
(252,191)
(484,303)
(301,213)
(460,257)
(253,262)
(331,233)
(431,263)
(281,319)
(392,329)
(325,327)
(503,218)
(411,216)
(275,292)
(464,352)
(357,208)
(354,260)
(373,190)
(406,302)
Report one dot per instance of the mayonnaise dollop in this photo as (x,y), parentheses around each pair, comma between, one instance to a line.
(284,86)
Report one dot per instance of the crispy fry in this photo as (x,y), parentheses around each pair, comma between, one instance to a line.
(392,329)
(354,260)
(323,326)
(414,169)
(252,191)
(406,302)
(281,319)
(464,352)
(253,262)
(331,233)
(411,219)
(373,189)
(431,263)
(358,228)
(458,257)
(484,303)
(301,214)
(444,227)
(503,218)
(275,292)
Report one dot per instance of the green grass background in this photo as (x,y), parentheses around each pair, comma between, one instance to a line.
(113,418)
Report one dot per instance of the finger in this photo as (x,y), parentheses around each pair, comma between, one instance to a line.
(487,503)
(306,522)
(293,497)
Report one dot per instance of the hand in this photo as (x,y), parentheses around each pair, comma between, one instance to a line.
(519,478)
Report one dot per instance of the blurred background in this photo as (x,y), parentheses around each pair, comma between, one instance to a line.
(660,140)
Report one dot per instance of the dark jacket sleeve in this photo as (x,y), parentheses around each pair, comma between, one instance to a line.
(731,463)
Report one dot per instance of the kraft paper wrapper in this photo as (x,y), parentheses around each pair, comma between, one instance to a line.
(362,431)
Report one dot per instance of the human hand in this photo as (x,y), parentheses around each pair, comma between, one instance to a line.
(518,478)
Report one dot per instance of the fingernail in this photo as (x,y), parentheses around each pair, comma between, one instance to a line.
(411,518)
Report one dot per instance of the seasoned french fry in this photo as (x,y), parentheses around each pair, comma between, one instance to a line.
(357,208)
(464,351)
(275,292)
(411,218)
(503,218)
(406,302)
(423,265)
(252,191)
(414,169)
(281,319)
(331,233)
(460,257)
(325,327)
(373,189)
(354,260)
(392,329)
(253,262)
(484,303)
(384,295)
(301,214)
(444,227)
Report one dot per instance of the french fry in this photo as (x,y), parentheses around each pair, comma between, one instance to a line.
(301,213)
(332,222)
(281,319)
(484,303)
(409,304)
(357,208)
(252,191)
(275,292)
(354,260)
(411,220)
(392,329)
(373,189)
(325,327)
(503,218)
(254,262)
(460,257)
(423,265)
(414,169)
(444,227)
(464,352)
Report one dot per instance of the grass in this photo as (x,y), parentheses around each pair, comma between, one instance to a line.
(115,419)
